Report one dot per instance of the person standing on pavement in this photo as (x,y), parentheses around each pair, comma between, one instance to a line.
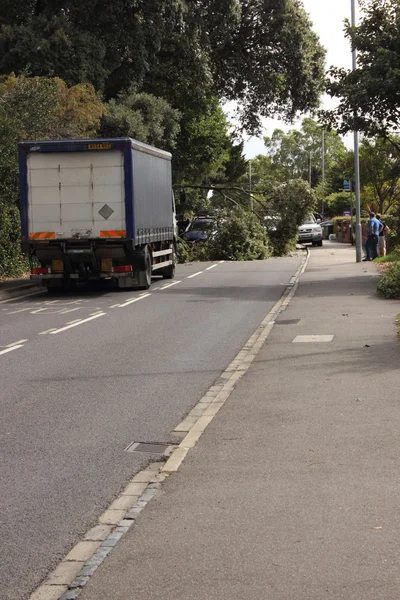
(374,227)
(382,237)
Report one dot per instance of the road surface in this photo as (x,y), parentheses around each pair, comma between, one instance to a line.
(84,375)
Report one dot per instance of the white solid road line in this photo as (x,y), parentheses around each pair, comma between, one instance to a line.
(212,267)
(195,274)
(169,285)
(81,322)
(132,300)
(11,349)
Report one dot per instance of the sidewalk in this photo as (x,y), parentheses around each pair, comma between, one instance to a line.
(292,492)
(17,287)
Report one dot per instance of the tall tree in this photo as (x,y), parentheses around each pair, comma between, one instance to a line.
(369,98)
(261,53)
(292,153)
(380,173)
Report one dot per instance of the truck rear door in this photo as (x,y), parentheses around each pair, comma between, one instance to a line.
(76,195)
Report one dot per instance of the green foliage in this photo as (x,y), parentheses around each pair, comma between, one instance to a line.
(290,153)
(290,203)
(263,55)
(203,146)
(389,283)
(336,204)
(143,117)
(35,108)
(369,96)
(240,236)
(11,261)
(380,172)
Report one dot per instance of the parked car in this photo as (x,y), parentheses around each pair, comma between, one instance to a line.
(200,229)
(310,232)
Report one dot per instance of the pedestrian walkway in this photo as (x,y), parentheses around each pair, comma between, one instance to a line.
(292,492)
(11,288)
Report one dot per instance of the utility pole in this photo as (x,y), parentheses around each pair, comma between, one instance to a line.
(356,157)
(250,188)
(323,173)
(309,169)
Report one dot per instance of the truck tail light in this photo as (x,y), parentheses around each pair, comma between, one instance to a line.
(41,271)
(123,269)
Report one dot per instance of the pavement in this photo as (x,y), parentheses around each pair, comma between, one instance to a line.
(292,491)
(20,286)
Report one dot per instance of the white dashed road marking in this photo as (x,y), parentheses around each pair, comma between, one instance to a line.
(132,300)
(80,322)
(212,267)
(16,343)
(169,285)
(303,339)
(11,349)
(195,274)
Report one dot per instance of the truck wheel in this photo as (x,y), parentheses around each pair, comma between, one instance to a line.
(169,272)
(319,243)
(145,276)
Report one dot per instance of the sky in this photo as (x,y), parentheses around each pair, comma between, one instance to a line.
(327,17)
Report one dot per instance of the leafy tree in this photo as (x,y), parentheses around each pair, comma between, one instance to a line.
(369,98)
(240,236)
(261,53)
(143,117)
(291,152)
(203,144)
(380,172)
(109,44)
(336,204)
(290,204)
(35,108)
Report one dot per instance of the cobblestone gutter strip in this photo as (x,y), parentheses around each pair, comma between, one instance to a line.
(72,574)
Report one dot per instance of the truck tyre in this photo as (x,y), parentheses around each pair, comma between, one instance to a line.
(145,275)
(169,272)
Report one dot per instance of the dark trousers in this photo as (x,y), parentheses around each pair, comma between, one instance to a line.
(371,247)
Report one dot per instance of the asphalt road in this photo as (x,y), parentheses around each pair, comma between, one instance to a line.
(84,375)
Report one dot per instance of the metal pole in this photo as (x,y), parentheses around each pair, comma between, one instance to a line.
(356,157)
(309,169)
(323,173)
(251,195)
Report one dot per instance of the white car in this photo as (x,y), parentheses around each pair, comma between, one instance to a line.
(310,232)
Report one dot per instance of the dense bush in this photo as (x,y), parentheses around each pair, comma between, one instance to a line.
(291,203)
(389,284)
(240,236)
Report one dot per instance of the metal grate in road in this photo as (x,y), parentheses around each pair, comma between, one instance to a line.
(288,322)
(154,448)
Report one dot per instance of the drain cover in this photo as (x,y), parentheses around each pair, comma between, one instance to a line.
(147,447)
(106,212)
(288,322)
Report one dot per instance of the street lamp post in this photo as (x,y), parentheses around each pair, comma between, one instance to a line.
(323,173)
(356,157)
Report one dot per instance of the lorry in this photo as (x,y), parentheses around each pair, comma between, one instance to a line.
(97,209)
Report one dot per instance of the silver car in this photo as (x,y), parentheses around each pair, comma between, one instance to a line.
(310,232)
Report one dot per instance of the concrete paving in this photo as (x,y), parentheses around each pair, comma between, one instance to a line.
(292,491)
